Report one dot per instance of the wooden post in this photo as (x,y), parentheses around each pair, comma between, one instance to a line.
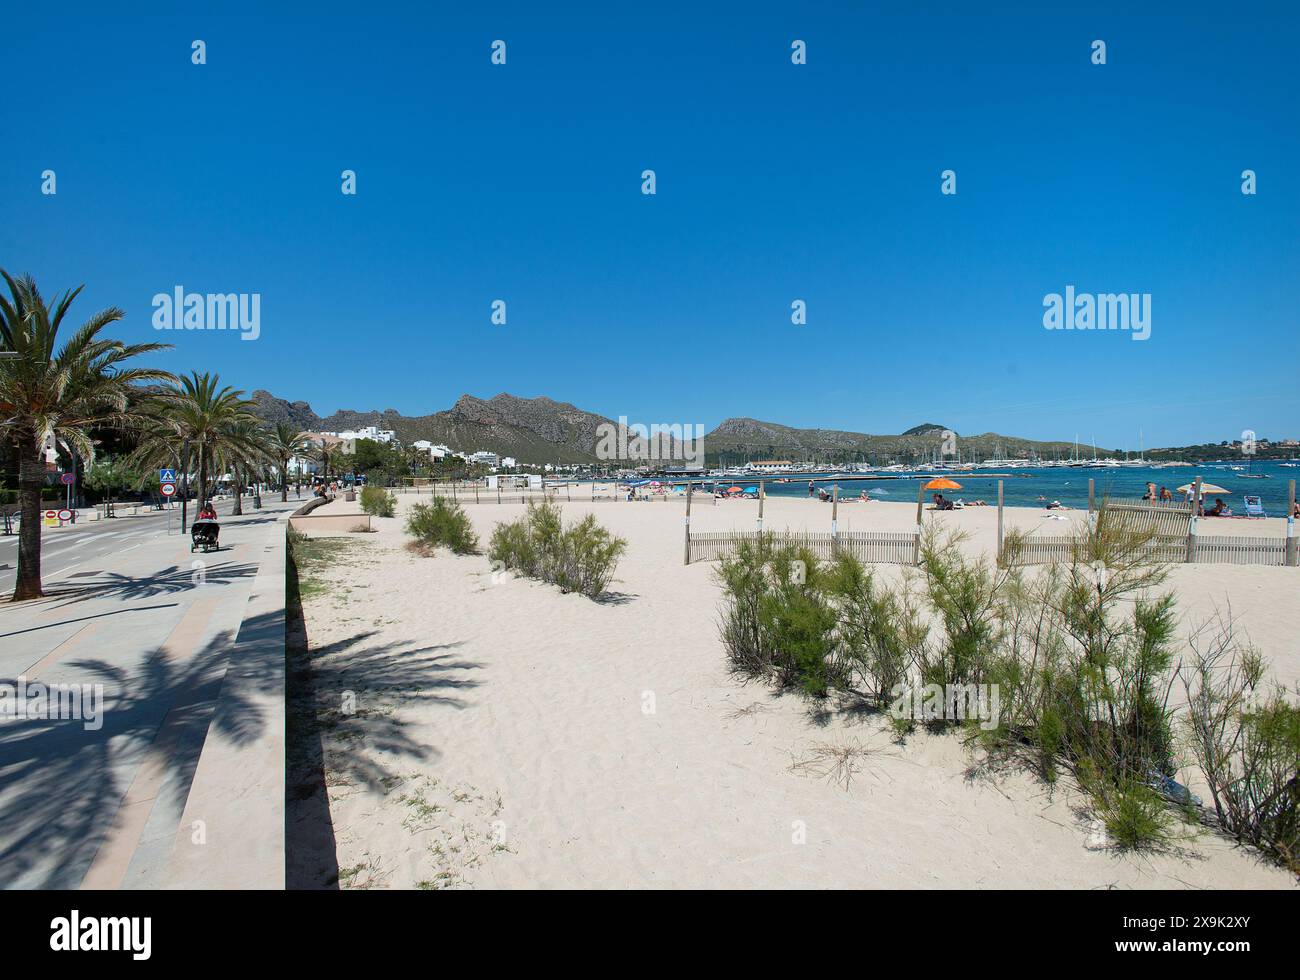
(835,519)
(688,523)
(498,489)
(1000,523)
(1291,556)
(920,500)
(762,496)
(568,492)
(475,493)
(1092,498)
(1191,525)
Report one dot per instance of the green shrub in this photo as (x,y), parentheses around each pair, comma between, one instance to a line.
(1083,655)
(442,522)
(1247,743)
(378,502)
(579,558)
(879,630)
(777,620)
(1135,816)
(587,558)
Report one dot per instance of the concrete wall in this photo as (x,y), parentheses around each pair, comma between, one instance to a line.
(332,523)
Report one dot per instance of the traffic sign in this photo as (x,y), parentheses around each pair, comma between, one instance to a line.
(65,515)
(68,479)
(167,476)
(167,489)
(51,515)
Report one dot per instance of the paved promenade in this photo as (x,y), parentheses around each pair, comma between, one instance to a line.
(178,779)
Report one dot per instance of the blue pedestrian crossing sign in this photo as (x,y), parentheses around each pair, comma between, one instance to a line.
(166,476)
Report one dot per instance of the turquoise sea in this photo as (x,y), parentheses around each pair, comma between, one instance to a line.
(1025,487)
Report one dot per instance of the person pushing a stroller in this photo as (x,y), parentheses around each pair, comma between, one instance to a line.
(205,531)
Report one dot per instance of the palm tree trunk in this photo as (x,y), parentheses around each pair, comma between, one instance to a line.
(31,477)
(284,479)
(239,492)
(203,476)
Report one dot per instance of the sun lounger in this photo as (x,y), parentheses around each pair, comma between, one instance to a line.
(1254,506)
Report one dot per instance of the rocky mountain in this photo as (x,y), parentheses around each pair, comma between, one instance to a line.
(537,430)
(277,410)
(542,430)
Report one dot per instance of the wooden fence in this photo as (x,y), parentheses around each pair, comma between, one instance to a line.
(1046,550)
(1239,550)
(1175,537)
(1171,520)
(887,547)
(1202,549)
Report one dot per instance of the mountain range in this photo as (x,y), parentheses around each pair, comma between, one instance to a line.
(542,430)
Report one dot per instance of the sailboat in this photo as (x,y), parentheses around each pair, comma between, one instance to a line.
(1248,475)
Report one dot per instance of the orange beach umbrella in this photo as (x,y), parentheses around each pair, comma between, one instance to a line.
(943,483)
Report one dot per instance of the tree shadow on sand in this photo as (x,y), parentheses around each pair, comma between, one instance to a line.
(341,695)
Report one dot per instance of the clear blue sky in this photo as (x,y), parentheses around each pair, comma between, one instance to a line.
(775,182)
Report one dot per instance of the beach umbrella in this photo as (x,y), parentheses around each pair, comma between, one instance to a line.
(751,489)
(943,483)
(1205,488)
(734,490)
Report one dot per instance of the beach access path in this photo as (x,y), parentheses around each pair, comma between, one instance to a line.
(180,781)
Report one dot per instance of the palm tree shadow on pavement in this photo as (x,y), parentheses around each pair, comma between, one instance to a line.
(172,580)
(64,784)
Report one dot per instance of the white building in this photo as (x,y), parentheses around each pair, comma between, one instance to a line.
(435,450)
(371,432)
(486,458)
(769,466)
(509,462)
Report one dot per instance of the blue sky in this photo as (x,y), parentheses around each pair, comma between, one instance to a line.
(776,182)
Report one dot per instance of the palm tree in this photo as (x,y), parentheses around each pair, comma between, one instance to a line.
(199,412)
(325,455)
(243,448)
(285,443)
(59,394)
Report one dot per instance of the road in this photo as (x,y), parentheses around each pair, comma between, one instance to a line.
(78,549)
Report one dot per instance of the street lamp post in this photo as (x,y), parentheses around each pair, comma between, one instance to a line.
(185,480)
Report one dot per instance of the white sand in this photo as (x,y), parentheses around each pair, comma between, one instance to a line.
(511,736)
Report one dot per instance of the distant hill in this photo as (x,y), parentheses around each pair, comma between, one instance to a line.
(542,430)
(535,430)
(741,439)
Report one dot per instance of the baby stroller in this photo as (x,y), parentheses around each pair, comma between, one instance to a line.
(203,534)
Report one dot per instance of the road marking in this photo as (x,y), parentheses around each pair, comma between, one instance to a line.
(59,652)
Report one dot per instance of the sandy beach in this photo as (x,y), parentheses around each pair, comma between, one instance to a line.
(509,736)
